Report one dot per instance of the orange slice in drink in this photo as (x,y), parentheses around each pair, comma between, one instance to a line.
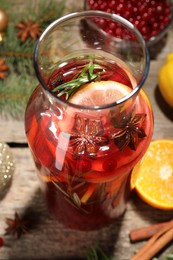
(152,177)
(94,94)
(99,93)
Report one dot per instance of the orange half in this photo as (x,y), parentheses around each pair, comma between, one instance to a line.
(152,177)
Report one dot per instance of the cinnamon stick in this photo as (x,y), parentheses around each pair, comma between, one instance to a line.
(147,232)
(155,243)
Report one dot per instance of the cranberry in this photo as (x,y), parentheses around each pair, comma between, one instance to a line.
(136,23)
(83,164)
(1,242)
(127,14)
(119,8)
(165,20)
(103,5)
(145,30)
(112,4)
(108,10)
(112,26)
(135,11)
(159,9)
(102,23)
(142,8)
(144,14)
(109,165)
(129,7)
(109,31)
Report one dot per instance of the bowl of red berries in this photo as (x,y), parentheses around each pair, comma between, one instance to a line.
(151,17)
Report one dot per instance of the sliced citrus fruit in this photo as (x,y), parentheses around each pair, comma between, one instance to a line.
(99,93)
(93,94)
(152,177)
(88,193)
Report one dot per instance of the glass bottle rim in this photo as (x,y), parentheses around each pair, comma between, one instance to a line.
(105,15)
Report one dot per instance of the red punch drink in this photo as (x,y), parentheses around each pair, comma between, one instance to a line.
(88,122)
(85,139)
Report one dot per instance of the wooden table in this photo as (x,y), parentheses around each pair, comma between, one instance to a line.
(48,239)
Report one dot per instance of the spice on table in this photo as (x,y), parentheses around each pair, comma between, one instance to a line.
(4,20)
(27,30)
(155,243)
(147,232)
(3,69)
(16,226)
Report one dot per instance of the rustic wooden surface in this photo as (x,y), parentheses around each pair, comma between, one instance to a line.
(49,240)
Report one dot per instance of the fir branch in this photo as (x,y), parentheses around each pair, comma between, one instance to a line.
(51,11)
(16,89)
(16,54)
(42,11)
(87,75)
(21,81)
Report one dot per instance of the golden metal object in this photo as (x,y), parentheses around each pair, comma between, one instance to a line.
(7,167)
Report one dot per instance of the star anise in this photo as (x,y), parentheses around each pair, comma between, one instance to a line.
(87,136)
(16,226)
(27,30)
(129,130)
(3,69)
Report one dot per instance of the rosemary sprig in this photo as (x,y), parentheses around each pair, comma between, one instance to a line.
(97,254)
(87,75)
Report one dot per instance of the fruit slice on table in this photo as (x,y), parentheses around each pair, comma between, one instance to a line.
(99,93)
(152,177)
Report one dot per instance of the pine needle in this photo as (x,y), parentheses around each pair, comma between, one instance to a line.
(16,89)
(97,253)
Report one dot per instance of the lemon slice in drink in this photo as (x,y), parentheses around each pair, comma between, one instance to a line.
(93,94)
(100,93)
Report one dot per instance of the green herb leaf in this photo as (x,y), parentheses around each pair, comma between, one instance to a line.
(169,257)
(86,75)
(97,254)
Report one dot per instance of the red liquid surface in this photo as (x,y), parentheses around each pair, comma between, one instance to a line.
(85,179)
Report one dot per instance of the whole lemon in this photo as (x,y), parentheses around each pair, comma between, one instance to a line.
(165,79)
